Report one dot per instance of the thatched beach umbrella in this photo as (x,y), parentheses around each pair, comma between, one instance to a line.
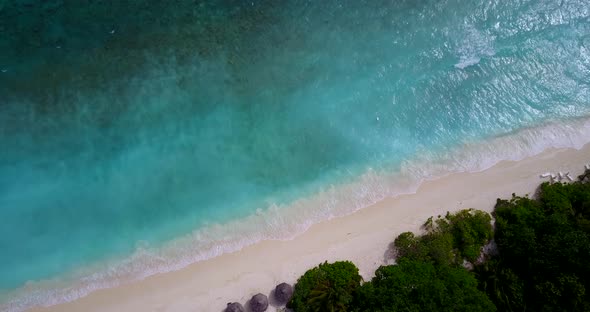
(234,307)
(259,303)
(283,293)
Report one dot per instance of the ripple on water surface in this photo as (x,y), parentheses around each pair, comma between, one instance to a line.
(135,151)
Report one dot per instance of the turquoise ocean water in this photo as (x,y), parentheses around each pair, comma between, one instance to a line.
(137,137)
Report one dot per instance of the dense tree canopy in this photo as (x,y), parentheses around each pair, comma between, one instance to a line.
(540,262)
(543,251)
(422,286)
(328,287)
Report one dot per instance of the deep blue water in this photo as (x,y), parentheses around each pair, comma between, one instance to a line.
(136,122)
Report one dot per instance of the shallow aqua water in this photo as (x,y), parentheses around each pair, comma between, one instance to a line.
(121,129)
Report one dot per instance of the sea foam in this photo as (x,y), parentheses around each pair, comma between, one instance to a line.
(275,115)
(284,222)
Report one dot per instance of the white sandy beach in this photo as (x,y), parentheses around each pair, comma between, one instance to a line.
(362,237)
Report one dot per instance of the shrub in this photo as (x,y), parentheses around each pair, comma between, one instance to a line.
(448,240)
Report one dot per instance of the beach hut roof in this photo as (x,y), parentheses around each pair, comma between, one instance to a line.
(234,307)
(259,303)
(283,293)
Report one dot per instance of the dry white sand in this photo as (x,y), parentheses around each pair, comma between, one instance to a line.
(362,237)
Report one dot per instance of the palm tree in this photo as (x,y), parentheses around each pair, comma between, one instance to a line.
(327,298)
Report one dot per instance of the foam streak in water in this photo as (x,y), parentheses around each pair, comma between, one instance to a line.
(285,222)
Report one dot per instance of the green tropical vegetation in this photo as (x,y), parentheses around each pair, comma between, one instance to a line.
(543,251)
(534,258)
(413,285)
(328,287)
(450,240)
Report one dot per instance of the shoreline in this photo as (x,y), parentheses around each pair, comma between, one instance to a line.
(283,222)
(362,237)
